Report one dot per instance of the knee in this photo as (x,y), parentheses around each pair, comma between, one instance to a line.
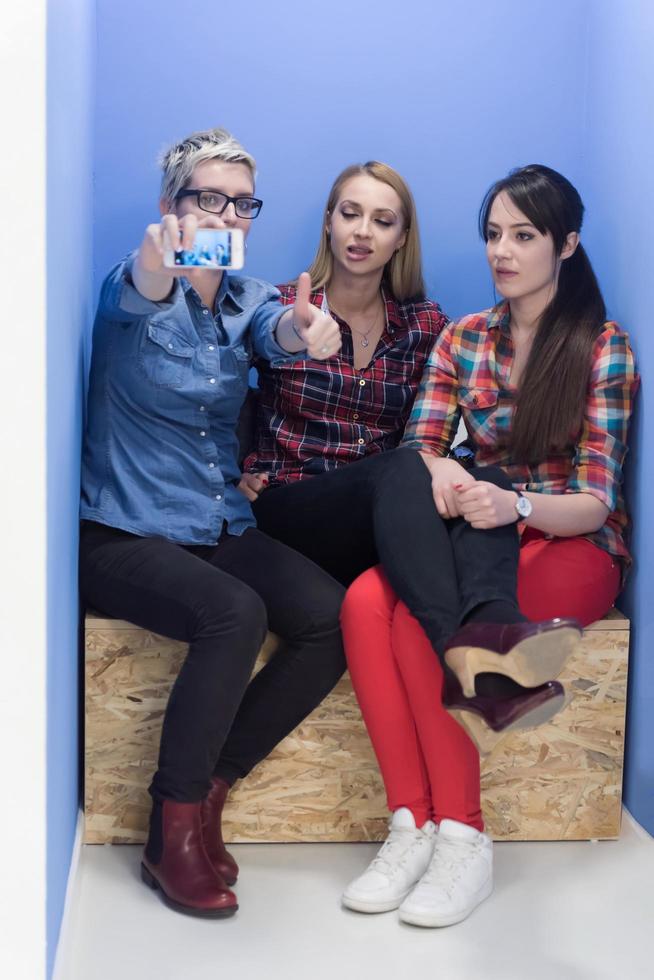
(231,606)
(325,614)
(370,600)
(248,608)
(492,474)
(313,613)
(401,468)
(406,461)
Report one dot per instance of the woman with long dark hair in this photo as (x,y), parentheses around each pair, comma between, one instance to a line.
(545,386)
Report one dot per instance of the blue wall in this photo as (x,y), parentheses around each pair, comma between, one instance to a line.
(69,311)
(452,94)
(619,159)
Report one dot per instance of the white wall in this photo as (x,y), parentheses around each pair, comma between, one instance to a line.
(70,90)
(22,490)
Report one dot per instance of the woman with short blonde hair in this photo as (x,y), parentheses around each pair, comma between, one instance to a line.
(167,541)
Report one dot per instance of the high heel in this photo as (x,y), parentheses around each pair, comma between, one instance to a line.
(487,720)
(212,836)
(529,653)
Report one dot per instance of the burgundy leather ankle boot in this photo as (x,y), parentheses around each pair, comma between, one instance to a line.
(212,835)
(176,863)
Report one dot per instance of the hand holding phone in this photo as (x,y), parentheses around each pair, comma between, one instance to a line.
(211,248)
(151,276)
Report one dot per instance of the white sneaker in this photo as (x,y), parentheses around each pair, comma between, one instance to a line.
(402,860)
(459,877)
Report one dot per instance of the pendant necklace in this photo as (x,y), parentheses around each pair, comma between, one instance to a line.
(363,334)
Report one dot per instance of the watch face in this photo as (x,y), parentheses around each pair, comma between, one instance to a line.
(523,507)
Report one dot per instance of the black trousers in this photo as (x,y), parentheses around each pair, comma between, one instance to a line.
(381,510)
(221,600)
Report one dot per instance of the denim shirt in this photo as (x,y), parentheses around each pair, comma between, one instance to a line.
(167,383)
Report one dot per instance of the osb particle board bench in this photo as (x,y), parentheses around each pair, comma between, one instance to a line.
(562,781)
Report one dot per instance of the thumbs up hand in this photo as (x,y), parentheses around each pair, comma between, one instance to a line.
(320,334)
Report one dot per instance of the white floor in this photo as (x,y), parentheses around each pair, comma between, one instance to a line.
(560,911)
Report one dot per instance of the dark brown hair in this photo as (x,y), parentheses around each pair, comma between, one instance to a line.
(553,389)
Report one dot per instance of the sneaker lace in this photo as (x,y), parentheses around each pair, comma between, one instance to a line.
(449,861)
(394,853)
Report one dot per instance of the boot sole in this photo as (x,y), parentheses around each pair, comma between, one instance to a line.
(486,739)
(427,921)
(152,883)
(532,662)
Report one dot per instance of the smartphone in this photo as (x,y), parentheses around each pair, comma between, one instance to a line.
(213,248)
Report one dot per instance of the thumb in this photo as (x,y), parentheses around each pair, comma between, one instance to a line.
(302,294)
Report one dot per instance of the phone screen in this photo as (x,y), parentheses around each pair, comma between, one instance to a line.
(213,248)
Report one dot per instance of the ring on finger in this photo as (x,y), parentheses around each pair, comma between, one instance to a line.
(323,350)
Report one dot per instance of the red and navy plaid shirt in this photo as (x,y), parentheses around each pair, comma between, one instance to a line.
(468,374)
(314,416)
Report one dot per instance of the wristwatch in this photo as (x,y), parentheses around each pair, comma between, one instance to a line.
(523,506)
(464,455)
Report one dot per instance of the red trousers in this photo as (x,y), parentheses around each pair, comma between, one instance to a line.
(427,761)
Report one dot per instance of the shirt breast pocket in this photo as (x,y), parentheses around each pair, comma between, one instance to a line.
(479,407)
(165,357)
(234,369)
(236,360)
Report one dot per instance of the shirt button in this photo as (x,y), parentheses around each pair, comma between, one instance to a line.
(356,415)
(212,381)
(219,496)
(170,346)
(211,465)
(362,382)
(211,347)
(361,441)
(202,408)
(206,312)
(203,433)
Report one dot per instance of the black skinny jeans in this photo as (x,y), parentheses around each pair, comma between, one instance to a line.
(221,600)
(381,510)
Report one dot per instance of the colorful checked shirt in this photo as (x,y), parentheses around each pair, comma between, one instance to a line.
(468,374)
(314,416)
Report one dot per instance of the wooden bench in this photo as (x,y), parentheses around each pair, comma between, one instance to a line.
(562,781)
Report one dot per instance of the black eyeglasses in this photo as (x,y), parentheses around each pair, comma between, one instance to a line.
(215,202)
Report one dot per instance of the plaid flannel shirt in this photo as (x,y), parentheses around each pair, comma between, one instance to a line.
(468,374)
(314,416)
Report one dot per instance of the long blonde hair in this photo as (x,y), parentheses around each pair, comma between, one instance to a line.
(403,272)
